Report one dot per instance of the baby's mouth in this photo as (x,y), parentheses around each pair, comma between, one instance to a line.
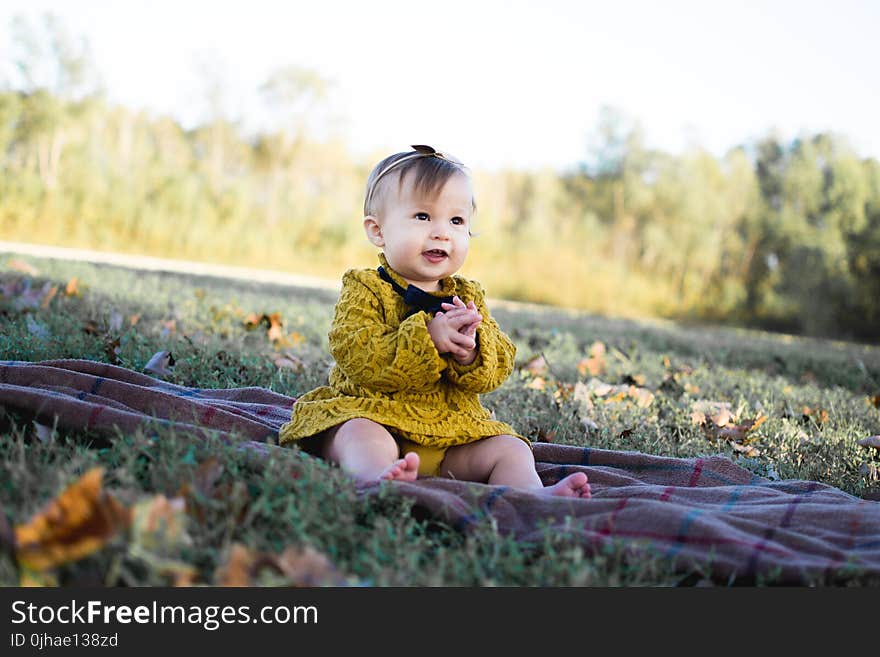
(435,254)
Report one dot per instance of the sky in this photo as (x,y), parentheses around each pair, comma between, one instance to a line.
(495,83)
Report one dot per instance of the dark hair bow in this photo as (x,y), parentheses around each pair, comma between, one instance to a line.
(415,297)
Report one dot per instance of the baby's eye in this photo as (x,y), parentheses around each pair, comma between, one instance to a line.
(458,221)
(422,216)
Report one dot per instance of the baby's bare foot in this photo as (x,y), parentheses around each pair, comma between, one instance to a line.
(405,469)
(574,485)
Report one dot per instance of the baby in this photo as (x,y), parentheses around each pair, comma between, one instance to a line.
(415,346)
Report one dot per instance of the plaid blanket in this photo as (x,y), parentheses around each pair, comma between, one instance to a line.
(695,512)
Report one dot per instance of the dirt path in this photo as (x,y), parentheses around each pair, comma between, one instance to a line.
(150,263)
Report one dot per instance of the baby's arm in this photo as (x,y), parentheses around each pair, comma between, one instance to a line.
(372,353)
(495,354)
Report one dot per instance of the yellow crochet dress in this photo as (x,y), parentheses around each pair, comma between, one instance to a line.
(388,369)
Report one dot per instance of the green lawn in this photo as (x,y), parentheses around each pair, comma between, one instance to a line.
(818,398)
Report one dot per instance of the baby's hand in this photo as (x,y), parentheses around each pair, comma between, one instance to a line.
(458,306)
(449,332)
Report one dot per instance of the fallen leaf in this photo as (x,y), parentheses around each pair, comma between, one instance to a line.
(275,332)
(563,391)
(204,478)
(635,379)
(643,396)
(293,339)
(817,415)
(537,366)
(737,432)
(236,570)
(111,348)
(537,383)
(581,395)
(589,425)
(722,417)
(158,525)
(43,433)
(252,321)
(72,288)
(169,326)
(134,319)
(626,433)
(91,327)
(745,450)
(670,386)
(288,361)
(296,566)
(22,266)
(160,364)
(704,408)
(81,520)
(870,441)
(599,388)
(546,437)
(619,393)
(870,470)
(47,298)
(874,400)
(698,417)
(594,364)
(25,297)
(115,322)
(305,566)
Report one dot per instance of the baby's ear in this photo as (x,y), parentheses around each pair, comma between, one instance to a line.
(373,230)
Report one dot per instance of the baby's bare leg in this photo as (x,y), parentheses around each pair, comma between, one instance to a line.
(365,450)
(507,461)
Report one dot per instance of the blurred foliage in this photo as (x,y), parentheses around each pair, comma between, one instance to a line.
(778,235)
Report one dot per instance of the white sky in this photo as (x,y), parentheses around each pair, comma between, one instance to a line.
(503,83)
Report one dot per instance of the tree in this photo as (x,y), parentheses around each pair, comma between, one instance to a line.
(55,76)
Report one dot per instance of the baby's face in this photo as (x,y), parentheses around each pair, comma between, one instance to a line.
(424,239)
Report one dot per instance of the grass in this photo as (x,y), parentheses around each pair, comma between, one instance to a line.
(296,500)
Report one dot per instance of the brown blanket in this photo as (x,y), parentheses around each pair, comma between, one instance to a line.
(697,511)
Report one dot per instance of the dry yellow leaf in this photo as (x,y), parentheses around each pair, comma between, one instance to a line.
(298,566)
(236,571)
(594,364)
(537,383)
(81,520)
(307,567)
(72,288)
(275,332)
(537,366)
(737,432)
(817,415)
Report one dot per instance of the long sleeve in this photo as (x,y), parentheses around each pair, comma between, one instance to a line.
(372,353)
(495,355)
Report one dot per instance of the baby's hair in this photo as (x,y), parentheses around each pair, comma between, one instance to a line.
(432,169)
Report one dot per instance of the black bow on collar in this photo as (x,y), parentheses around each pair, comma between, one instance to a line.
(415,297)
